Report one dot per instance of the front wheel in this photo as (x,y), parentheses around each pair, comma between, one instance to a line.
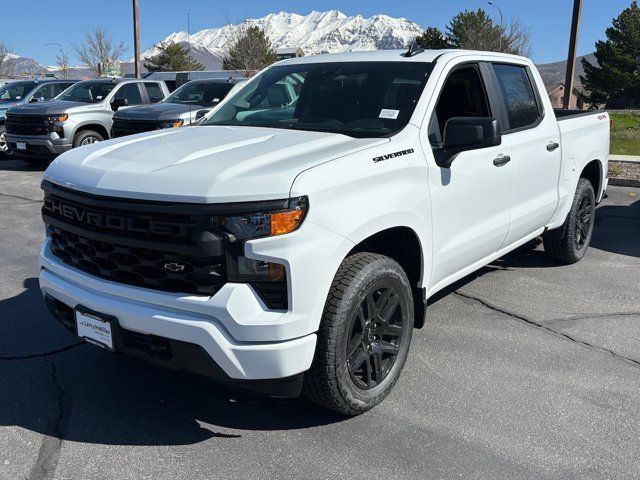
(364,335)
(569,243)
(4,147)
(86,137)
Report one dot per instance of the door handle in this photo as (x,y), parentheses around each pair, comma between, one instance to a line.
(552,146)
(501,160)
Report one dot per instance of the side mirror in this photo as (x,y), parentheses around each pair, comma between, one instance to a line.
(36,99)
(201,113)
(468,133)
(117,103)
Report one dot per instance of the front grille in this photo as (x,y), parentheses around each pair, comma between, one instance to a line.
(166,250)
(143,267)
(129,127)
(27,124)
(164,246)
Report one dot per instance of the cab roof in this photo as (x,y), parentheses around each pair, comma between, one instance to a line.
(424,56)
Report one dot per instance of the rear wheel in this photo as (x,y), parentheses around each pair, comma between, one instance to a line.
(86,137)
(569,243)
(364,335)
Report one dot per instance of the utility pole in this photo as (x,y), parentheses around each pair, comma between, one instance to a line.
(571,58)
(501,23)
(136,37)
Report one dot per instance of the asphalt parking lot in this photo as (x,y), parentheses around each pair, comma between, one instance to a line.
(527,369)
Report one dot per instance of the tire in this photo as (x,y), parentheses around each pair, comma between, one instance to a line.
(86,137)
(5,153)
(569,243)
(366,285)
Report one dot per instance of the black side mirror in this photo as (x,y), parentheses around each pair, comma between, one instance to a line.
(36,99)
(201,113)
(116,103)
(467,133)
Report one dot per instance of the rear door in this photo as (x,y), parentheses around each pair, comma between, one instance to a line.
(470,199)
(531,134)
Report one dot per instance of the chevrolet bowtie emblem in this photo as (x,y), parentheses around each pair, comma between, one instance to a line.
(174,267)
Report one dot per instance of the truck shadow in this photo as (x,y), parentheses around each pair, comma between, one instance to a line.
(85,394)
(17,165)
(617,229)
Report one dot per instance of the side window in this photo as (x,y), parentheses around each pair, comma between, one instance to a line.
(154,92)
(58,88)
(131,92)
(463,95)
(44,92)
(519,98)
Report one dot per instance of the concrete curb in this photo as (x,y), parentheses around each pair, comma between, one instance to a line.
(623,182)
(624,158)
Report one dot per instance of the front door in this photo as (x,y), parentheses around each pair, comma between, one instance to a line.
(470,199)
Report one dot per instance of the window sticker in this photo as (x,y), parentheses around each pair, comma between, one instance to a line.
(389,114)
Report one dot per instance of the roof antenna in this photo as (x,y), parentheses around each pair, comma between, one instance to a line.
(189,64)
(414,50)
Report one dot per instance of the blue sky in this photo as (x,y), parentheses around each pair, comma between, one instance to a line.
(26,27)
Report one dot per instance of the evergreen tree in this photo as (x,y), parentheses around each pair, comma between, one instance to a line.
(249,50)
(475,30)
(615,82)
(433,39)
(172,57)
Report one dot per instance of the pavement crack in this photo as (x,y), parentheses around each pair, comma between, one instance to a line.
(49,452)
(547,328)
(44,354)
(19,197)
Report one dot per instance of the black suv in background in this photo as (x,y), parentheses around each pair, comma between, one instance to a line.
(184,106)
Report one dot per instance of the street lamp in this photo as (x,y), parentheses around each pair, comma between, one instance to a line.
(501,23)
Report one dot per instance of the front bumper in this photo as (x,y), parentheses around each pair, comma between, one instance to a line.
(182,319)
(39,146)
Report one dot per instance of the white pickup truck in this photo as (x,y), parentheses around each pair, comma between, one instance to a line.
(290,242)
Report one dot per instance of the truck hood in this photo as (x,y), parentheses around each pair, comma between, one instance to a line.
(47,108)
(158,111)
(208,164)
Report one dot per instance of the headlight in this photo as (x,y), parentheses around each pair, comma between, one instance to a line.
(171,124)
(59,118)
(267,224)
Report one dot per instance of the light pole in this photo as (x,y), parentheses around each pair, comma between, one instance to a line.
(136,37)
(571,57)
(501,23)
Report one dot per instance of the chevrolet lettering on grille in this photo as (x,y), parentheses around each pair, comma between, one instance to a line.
(79,214)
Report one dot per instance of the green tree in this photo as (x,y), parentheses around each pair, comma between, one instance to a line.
(475,30)
(615,81)
(432,38)
(250,49)
(172,57)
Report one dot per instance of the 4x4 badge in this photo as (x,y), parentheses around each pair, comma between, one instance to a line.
(174,267)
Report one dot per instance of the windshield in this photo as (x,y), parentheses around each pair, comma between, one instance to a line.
(15,91)
(87,92)
(360,99)
(206,94)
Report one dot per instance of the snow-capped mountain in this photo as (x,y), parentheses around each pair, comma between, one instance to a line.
(318,32)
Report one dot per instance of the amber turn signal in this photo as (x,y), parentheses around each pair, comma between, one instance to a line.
(286,222)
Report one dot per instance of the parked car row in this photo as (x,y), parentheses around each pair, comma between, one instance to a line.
(81,113)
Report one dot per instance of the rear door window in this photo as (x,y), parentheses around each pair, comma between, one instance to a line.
(131,92)
(154,92)
(519,97)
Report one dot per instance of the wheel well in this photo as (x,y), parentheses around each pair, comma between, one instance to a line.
(96,128)
(593,173)
(401,244)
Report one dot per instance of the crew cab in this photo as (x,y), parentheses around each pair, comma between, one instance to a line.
(23,92)
(291,246)
(81,115)
(184,106)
